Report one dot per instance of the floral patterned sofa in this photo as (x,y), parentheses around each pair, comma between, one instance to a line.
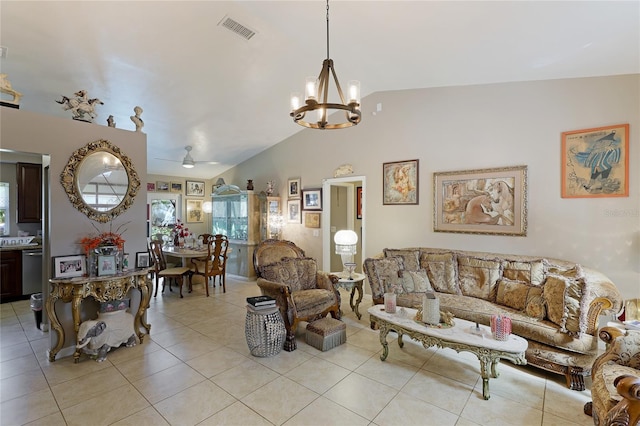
(616,379)
(554,304)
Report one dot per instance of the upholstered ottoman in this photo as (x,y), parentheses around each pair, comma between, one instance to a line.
(326,333)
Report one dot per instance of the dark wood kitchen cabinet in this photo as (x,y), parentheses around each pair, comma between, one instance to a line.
(29,192)
(10,274)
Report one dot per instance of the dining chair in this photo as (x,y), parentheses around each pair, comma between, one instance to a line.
(215,263)
(162,271)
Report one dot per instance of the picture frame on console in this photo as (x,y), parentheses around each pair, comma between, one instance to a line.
(400,182)
(595,162)
(69,266)
(484,201)
(143,260)
(106,265)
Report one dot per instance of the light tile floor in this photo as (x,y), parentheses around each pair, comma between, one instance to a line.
(195,368)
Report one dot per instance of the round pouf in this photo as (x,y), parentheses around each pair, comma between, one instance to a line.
(265,331)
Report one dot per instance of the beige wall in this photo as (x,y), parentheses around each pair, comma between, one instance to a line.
(29,132)
(472,127)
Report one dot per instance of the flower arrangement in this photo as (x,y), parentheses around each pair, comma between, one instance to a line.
(181,230)
(92,242)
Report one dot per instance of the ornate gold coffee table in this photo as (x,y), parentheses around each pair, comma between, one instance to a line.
(458,337)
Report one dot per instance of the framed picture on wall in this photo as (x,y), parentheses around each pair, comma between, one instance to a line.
(151,186)
(400,182)
(293,211)
(312,220)
(595,162)
(176,186)
(359,202)
(195,188)
(312,199)
(485,201)
(194,211)
(293,191)
(162,186)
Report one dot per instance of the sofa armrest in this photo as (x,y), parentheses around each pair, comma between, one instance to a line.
(596,307)
(622,347)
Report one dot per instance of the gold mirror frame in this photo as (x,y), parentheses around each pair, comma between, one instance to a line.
(69,180)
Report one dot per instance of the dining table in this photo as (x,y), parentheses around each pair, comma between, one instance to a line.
(184,253)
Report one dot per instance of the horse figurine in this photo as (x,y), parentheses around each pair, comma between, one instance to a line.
(80,105)
(5,87)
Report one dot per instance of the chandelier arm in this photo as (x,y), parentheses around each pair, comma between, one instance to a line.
(335,79)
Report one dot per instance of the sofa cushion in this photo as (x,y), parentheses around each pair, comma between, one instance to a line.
(545,332)
(512,294)
(478,277)
(529,272)
(379,270)
(568,291)
(410,257)
(554,293)
(412,281)
(441,269)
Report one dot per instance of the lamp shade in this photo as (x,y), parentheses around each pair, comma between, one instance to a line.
(346,241)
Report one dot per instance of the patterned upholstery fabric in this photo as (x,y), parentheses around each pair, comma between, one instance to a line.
(410,257)
(554,294)
(529,272)
(478,277)
(442,271)
(297,273)
(513,294)
(379,270)
(413,281)
(310,301)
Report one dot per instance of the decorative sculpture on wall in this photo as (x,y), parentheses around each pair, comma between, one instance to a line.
(82,108)
(110,330)
(111,122)
(136,119)
(343,170)
(5,87)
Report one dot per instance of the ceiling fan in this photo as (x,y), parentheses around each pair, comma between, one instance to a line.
(188,162)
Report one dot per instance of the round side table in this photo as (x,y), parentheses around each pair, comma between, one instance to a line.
(265,331)
(351,285)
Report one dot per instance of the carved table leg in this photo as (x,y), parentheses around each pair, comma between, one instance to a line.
(354,307)
(75,313)
(487,370)
(384,330)
(55,325)
(144,303)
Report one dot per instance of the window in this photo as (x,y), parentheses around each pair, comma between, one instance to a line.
(4,208)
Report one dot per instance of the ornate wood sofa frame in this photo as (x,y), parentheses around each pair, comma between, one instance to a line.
(551,346)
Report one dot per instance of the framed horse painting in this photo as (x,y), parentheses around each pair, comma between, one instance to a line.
(484,201)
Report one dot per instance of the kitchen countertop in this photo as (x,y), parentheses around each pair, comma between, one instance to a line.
(21,247)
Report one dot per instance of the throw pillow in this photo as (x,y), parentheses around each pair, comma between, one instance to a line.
(380,270)
(410,258)
(535,307)
(281,272)
(512,294)
(554,292)
(441,269)
(478,277)
(529,272)
(412,282)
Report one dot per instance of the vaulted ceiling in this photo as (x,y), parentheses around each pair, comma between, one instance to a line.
(202,85)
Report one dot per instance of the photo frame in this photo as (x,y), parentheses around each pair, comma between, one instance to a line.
(151,187)
(400,182)
(293,188)
(195,188)
(162,186)
(359,202)
(595,162)
(69,266)
(143,260)
(312,199)
(106,265)
(176,186)
(484,201)
(293,211)
(312,220)
(195,212)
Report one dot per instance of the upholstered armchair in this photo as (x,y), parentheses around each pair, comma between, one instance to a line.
(302,292)
(272,251)
(616,379)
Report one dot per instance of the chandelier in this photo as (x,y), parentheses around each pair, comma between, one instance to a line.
(316,94)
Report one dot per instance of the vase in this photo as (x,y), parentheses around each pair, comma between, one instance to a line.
(430,310)
(250,185)
(180,241)
(176,240)
(390,303)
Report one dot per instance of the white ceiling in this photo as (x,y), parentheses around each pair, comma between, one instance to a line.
(202,85)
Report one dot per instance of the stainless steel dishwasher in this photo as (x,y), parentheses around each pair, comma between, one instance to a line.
(31,271)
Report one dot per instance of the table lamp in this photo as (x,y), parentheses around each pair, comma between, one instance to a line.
(346,245)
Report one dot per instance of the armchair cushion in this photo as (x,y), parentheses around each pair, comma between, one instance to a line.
(297,273)
(312,301)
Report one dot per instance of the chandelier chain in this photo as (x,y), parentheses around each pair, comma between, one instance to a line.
(328,29)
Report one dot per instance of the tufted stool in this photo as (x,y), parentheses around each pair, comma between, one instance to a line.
(326,333)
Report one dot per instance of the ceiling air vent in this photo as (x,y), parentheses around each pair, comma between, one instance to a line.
(237,28)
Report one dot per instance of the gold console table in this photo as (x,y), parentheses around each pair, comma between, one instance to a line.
(102,289)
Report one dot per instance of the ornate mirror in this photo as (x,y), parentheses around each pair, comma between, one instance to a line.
(100,181)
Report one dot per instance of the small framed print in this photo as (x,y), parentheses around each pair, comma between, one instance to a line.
(293,211)
(400,182)
(106,265)
(293,191)
(312,199)
(69,266)
(176,186)
(359,202)
(162,186)
(312,220)
(195,188)
(194,211)
(151,187)
(143,259)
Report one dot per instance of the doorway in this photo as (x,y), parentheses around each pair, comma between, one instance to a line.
(344,201)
